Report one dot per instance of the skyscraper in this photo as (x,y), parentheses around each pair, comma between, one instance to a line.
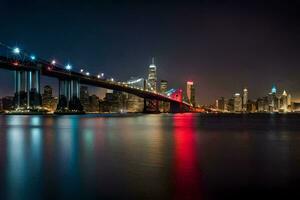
(274,90)
(237,103)
(221,105)
(152,76)
(163,86)
(48,100)
(190,92)
(284,102)
(245,99)
(84,97)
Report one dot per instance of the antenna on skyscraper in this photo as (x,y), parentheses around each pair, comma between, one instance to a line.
(152,60)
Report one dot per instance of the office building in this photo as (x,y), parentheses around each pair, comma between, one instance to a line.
(190,92)
(84,97)
(152,76)
(245,99)
(163,86)
(238,103)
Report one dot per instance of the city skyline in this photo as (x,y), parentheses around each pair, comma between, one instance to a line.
(222,47)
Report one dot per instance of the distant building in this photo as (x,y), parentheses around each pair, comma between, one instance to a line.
(8,103)
(260,105)
(230,105)
(221,104)
(238,103)
(113,102)
(93,103)
(274,89)
(245,99)
(152,76)
(163,86)
(48,101)
(284,102)
(251,107)
(1,106)
(84,97)
(296,107)
(190,92)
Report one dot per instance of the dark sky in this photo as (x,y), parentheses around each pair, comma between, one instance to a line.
(221,45)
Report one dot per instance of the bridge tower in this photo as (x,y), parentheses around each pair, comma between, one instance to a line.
(69,96)
(27,89)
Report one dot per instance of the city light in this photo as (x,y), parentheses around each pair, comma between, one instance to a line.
(98,76)
(102,74)
(111,79)
(16,50)
(32,57)
(68,67)
(81,70)
(87,73)
(53,62)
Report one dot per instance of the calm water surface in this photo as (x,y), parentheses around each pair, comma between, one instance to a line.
(182,156)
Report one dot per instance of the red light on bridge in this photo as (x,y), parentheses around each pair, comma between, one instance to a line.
(190,82)
(15,63)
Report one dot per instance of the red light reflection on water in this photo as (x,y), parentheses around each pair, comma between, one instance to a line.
(187,170)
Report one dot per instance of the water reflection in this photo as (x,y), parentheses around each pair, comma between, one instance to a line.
(16,176)
(187,170)
(144,157)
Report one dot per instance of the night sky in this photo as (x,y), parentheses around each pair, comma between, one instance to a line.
(222,45)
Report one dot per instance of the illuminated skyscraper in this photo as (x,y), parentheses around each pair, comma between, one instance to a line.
(190,92)
(163,86)
(245,99)
(152,76)
(238,103)
(284,101)
(274,90)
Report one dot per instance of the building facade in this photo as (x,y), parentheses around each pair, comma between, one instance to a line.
(152,77)
(190,92)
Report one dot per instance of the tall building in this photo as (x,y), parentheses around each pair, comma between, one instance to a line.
(274,89)
(221,104)
(237,103)
(289,102)
(230,105)
(260,105)
(245,99)
(284,102)
(163,86)
(84,97)
(48,101)
(190,92)
(93,103)
(152,76)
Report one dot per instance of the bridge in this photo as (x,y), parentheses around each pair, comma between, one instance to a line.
(29,68)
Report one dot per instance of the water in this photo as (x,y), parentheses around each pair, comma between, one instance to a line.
(182,156)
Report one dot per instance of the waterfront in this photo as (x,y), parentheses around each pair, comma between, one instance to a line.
(162,156)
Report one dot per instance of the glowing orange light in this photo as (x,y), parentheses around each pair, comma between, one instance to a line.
(15,63)
(190,82)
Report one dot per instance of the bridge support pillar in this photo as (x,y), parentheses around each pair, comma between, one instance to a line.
(69,96)
(27,89)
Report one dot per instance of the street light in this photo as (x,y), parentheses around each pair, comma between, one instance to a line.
(16,50)
(88,73)
(81,70)
(98,76)
(53,62)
